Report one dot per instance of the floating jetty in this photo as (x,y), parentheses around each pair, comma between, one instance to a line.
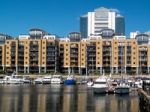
(144,97)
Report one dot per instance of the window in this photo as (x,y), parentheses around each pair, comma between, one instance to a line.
(82,63)
(82,44)
(98,53)
(98,43)
(66,49)
(66,58)
(66,44)
(7,52)
(43,52)
(43,47)
(43,63)
(98,63)
(98,48)
(66,63)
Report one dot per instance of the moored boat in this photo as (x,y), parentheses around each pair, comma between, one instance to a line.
(100,85)
(38,80)
(14,79)
(56,79)
(46,80)
(122,89)
(26,80)
(90,83)
(70,80)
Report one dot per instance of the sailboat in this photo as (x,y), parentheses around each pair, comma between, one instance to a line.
(123,88)
(70,80)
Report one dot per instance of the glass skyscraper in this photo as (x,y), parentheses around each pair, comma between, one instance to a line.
(102,18)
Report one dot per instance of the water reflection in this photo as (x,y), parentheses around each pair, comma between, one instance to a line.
(52,98)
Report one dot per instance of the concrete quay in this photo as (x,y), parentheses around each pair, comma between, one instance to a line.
(144,97)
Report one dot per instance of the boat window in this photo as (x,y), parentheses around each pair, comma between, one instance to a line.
(100,82)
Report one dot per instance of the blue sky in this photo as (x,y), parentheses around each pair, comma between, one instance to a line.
(62,16)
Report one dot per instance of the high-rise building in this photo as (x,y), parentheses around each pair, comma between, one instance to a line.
(102,18)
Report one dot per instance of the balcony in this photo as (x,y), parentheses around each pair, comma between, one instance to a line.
(143,59)
(33,54)
(20,55)
(74,56)
(33,64)
(91,50)
(13,49)
(50,54)
(20,63)
(21,59)
(75,61)
(106,54)
(50,65)
(50,59)
(33,59)
(33,49)
(91,55)
(50,45)
(21,50)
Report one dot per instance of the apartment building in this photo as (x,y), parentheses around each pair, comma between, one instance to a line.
(40,52)
(105,53)
(33,53)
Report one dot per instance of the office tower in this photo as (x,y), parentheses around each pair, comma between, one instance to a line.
(102,18)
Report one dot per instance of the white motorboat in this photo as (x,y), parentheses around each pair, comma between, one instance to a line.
(26,80)
(1,80)
(46,80)
(90,83)
(14,79)
(100,85)
(56,79)
(38,80)
(138,84)
(122,89)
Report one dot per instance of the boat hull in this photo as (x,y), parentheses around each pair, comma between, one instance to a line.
(122,90)
(69,82)
(99,90)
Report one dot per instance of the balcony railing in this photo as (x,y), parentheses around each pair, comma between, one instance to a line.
(33,49)
(50,54)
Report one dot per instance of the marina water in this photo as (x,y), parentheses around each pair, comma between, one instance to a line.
(61,98)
